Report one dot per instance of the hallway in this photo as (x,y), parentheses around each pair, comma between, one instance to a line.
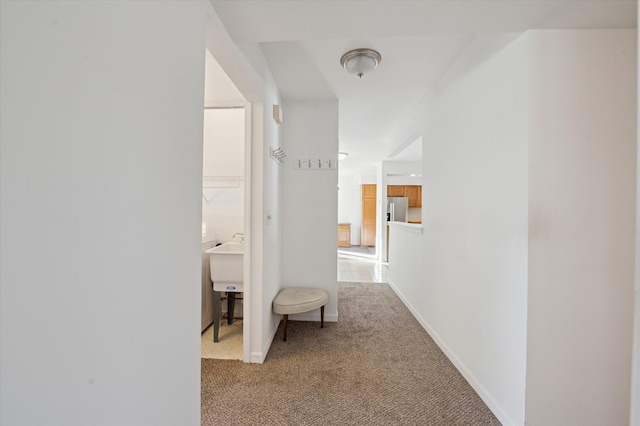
(364,369)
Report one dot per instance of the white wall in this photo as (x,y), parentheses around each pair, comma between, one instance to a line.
(223,168)
(581,206)
(473,294)
(350,205)
(310,202)
(368,179)
(218,88)
(269,220)
(100,212)
(405,263)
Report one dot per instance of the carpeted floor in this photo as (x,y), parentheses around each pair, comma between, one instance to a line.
(375,366)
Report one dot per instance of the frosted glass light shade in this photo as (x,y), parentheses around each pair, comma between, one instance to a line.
(360,62)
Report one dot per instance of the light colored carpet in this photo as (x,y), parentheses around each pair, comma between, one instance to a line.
(375,366)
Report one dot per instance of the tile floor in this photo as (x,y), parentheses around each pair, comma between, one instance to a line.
(350,268)
(361,269)
(229,345)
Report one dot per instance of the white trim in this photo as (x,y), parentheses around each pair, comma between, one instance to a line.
(634,410)
(259,357)
(469,377)
(224,104)
(247,295)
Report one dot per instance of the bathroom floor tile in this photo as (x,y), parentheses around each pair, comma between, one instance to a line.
(229,345)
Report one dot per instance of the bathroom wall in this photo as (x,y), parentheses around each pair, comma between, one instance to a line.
(223,169)
(223,153)
(100,174)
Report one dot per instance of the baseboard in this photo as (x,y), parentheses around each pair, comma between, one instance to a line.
(469,377)
(259,357)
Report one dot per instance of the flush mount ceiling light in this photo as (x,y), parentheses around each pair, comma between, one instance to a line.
(342,155)
(360,62)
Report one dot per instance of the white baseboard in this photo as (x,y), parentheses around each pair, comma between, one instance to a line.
(469,377)
(259,357)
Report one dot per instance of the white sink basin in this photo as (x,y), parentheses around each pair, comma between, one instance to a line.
(226,262)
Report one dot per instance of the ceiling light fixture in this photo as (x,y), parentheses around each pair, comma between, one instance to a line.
(360,62)
(342,155)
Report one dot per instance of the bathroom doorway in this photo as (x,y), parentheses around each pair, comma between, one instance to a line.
(224,206)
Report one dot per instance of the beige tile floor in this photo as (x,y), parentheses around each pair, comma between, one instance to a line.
(350,268)
(229,345)
(361,269)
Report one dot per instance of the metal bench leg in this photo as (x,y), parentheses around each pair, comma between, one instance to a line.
(286,319)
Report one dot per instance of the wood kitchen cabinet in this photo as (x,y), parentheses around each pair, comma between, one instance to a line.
(344,235)
(368,237)
(395,191)
(412,192)
(369,191)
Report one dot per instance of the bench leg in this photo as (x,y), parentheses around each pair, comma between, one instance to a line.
(286,318)
(322,316)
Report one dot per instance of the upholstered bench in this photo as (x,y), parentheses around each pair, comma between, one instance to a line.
(295,300)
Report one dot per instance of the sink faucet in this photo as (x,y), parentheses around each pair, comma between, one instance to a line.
(239,235)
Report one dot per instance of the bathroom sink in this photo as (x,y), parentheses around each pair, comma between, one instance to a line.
(226,262)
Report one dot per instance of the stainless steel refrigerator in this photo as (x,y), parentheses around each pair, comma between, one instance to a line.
(397,209)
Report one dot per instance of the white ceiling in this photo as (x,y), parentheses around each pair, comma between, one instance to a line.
(303,40)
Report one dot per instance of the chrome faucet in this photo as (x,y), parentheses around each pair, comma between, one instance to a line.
(239,235)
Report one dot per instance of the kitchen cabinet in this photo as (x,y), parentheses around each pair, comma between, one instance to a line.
(344,235)
(369,191)
(412,192)
(395,191)
(368,231)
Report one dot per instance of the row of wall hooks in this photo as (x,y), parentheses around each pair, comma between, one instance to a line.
(314,164)
(277,154)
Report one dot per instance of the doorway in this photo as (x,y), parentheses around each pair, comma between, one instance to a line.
(357,210)
(225,209)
